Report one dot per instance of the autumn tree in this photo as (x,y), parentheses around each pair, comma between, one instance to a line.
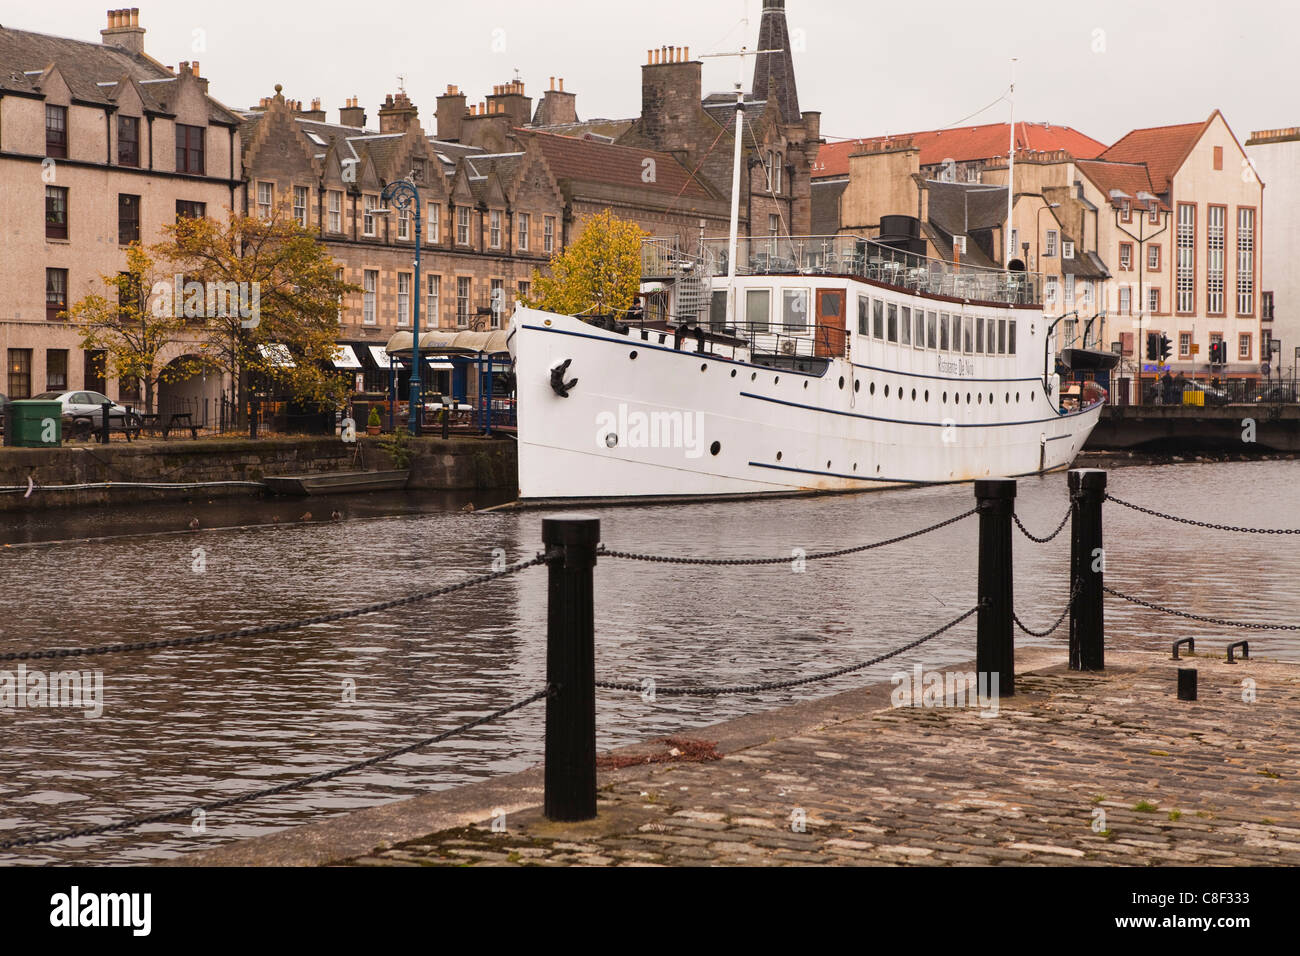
(288,334)
(600,272)
(133,327)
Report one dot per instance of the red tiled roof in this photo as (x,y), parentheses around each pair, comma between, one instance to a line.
(1130,178)
(1162,148)
(966,143)
(596,162)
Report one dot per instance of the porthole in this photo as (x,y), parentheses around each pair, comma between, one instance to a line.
(913,394)
(776,380)
(979,399)
(956,398)
(927,394)
(855,466)
(715,449)
(945,398)
(968,398)
(1017,398)
(780,455)
(857,385)
(877,469)
(990,398)
(733,373)
(611,440)
(704,367)
(805,384)
(872,389)
(841,382)
(1031,395)
(886,391)
(828,466)
(1008,398)
(633,355)
(900,393)
(753,376)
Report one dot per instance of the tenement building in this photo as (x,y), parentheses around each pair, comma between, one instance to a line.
(100,145)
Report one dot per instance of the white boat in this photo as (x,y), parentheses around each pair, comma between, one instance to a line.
(857,366)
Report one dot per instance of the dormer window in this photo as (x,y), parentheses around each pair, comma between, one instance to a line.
(56,131)
(128,141)
(189,149)
(1126,210)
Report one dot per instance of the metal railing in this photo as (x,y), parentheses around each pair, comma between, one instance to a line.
(849,256)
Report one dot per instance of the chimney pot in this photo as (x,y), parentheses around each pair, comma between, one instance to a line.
(649,57)
(561,84)
(195,67)
(552,82)
(135,16)
(687,54)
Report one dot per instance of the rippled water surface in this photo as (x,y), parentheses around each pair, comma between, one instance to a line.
(188,726)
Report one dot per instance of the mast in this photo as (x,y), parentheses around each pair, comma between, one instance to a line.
(1011,168)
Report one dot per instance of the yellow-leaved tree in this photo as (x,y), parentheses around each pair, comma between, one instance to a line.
(599,273)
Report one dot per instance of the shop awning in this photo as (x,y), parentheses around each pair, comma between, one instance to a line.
(380,356)
(345,357)
(452,342)
(438,365)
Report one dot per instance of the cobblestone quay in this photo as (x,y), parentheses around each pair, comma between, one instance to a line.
(1078,769)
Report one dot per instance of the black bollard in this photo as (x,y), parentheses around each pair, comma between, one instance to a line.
(103,434)
(570,770)
(446,422)
(995,651)
(1087,623)
(1187,683)
(252,418)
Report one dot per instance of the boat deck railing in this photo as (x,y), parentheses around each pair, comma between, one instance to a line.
(844,256)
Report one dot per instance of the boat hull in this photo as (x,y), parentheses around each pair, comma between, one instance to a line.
(648,421)
(337,483)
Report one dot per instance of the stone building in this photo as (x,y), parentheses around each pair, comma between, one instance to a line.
(1275,155)
(102,145)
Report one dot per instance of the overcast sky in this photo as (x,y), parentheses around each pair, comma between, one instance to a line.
(870,67)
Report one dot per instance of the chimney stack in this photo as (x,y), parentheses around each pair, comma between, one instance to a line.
(124,30)
(351,114)
(557,107)
(671,92)
(451,114)
(398,114)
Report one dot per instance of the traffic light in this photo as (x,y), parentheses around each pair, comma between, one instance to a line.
(1153,346)
(1166,349)
(1214,353)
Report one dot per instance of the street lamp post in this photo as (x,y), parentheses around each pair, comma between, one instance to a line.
(404,194)
(1150,202)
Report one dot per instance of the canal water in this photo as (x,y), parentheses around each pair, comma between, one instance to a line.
(188,726)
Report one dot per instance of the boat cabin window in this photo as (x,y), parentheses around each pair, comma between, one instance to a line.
(864,316)
(794,310)
(919,337)
(758,309)
(905,326)
(1011,337)
(943,331)
(979,335)
(893,322)
(931,330)
(967,339)
(718,309)
(877,319)
(1002,336)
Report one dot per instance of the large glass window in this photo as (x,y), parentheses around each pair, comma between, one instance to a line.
(893,322)
(877,319)
(20,373)
(56,294)
(368,206)
(300,198)
(967,327)
(905,326)
(462,300)
(432,315)
(128,219)
(718,309)
(864,316)
(1185,278)
(1215,229)
(794,310)
(979,334)
(758,309)
(943,331)
(335,211)
(931,330)
(370,289)
(56,370)
(403,298)
(1246,262)
(56,212)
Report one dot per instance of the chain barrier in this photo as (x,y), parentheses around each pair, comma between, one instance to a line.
(1201,617)
(1074,596)
(1201,524)
(138,821)
(275,628)
(706,691)
(1051,537)
(604,552)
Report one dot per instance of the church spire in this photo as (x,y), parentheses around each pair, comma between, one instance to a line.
(776,68)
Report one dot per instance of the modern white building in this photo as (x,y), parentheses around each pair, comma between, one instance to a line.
(1275,156)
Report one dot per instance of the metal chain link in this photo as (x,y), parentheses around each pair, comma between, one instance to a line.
(1050,537)
(1074,596)
(1202,524)
(275,628)
(706,691)
(1202,617)
(819,556)
(133,822)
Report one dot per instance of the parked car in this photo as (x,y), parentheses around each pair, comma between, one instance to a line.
(1171,395)
(87,405)
(1275,394)
(1213,396)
